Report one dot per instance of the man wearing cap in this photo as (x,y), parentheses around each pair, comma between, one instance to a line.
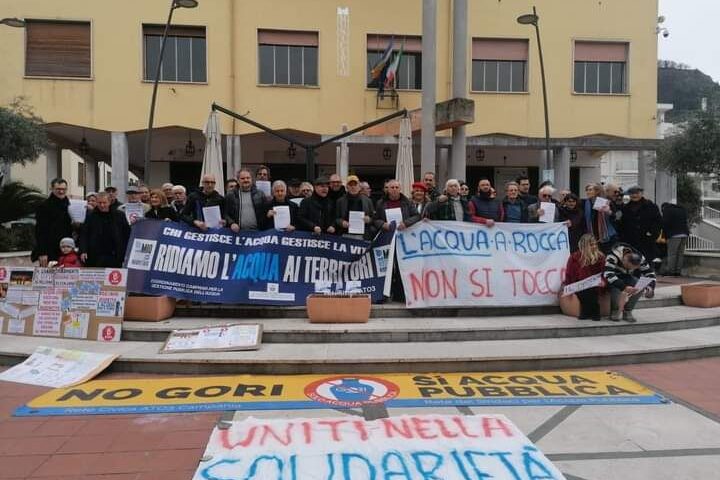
(354,201)
(294,188)
(112,195)
(624,266)
(317,212)
(483,207)
(192,213)
(419,197)
(134,196)
(640,224)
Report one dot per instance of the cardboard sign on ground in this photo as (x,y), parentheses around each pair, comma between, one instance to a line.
(219,338)
(410,446)
(58,368)
(78,303)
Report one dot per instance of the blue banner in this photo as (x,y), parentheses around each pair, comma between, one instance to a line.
(262,268)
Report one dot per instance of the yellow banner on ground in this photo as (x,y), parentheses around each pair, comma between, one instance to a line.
(290,392)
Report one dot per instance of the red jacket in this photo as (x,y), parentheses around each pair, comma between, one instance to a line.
(69,260)
(575,272)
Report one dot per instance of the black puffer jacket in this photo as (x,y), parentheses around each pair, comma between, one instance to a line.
(195,203)
(316,211)
(105,238)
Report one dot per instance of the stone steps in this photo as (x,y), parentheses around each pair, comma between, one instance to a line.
(439,329)
(438,356)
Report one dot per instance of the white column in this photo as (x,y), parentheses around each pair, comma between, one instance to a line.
(120,163)
(646,173)
(443,168)
(233,154)
(562,169)
(429,71)
(54,170)
(458,164)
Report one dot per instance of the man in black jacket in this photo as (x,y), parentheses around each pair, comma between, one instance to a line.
(317,212)
(52,223)
(245,206)
(354,201)
(640,224)
(104,236)
(675,228)
(192,214)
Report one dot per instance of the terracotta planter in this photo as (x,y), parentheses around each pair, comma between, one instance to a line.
(570,305)
(149,309)
(338,308)
(703,295)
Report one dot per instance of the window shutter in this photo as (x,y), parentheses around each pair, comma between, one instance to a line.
(288,37)
(57,49)
(499,49)
(601,52)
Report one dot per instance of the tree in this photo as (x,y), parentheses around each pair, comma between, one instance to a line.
(18,200)
(22,134)
(695,149)
(690,197)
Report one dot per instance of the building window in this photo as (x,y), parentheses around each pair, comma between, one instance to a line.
(185,58)
(288,57)
(499,65)
(600,67)
(57,49)
(409,72)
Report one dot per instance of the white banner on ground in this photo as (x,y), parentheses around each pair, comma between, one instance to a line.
(584,284)
(58,368)
(405,447)
(446,264)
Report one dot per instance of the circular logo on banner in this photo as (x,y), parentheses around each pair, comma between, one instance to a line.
(351,390)
(115,277)
(108,333)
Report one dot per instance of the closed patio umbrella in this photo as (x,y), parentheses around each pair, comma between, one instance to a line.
(212,157)
(404,167)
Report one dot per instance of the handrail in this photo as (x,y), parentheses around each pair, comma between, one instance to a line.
(697,243)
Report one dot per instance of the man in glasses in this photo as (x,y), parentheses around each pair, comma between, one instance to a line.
(207,196)
(52,224)
(535,211)
(337,190)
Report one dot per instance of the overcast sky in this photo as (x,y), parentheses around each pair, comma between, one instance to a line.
(694,34)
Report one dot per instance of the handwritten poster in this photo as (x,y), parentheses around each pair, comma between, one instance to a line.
(406,447)
(66,303)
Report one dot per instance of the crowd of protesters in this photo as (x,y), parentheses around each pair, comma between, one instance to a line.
(617,234)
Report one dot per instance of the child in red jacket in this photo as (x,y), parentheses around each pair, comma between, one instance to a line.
(68,257)
(584,263)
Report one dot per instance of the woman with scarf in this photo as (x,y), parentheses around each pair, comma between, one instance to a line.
(598,221)
(570,212)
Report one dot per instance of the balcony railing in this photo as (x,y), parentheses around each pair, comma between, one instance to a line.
(699,244)
(710,214)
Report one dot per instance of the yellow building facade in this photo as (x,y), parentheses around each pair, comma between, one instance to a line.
(612,44)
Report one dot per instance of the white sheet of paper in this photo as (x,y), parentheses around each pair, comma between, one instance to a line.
(77,210)
(134,212)
(548,209)
(264,186)
(643,283)
(297,201)
(357,222)
(584,284)
(600,202)
(394,215)
(282,217)
(212,216)
(58,368)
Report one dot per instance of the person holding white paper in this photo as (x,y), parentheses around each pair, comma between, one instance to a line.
(545,210)
(354,205)
(624,267)
(245,207)
(392,200)
(281,213)
(192,213)
(585,263)
(599,222)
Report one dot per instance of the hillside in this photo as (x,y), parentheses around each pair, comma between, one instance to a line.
(685,87)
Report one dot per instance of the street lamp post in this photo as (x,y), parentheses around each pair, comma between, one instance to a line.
(533,19)
(148,135)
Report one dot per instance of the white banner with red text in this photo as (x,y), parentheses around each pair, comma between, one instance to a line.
(452,264)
